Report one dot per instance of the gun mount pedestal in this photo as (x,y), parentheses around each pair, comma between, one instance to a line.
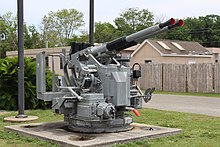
(100,90)
(89,122)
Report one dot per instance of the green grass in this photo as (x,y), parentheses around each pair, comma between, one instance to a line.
(11,139)
(198,130)
(216,95)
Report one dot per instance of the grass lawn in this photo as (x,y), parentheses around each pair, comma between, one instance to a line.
(216,95)
(198,130)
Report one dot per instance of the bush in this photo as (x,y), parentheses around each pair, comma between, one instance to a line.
(9,84)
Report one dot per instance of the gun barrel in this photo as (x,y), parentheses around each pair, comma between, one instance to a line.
(131,40)
(145,32)
(165,29)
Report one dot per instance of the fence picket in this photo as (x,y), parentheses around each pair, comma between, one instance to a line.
(181,77)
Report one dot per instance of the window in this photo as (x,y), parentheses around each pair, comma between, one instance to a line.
(47,61)
(178,46)
(61,63)
(163,45)
(147,61)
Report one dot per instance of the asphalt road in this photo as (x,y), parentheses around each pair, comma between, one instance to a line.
(191,104)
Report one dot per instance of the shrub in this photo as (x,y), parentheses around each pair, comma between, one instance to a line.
(9,84)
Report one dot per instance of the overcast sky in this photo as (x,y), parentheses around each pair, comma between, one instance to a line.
(108,10)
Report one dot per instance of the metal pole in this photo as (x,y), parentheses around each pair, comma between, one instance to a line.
(20,60)
(91,23)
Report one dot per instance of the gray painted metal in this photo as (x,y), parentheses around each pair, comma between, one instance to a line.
(41,77)
(142,33)
(142,38)
(101,89)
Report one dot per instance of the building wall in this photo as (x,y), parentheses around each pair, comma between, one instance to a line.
(57,66)
(146,53)
(216,54)
(49,52)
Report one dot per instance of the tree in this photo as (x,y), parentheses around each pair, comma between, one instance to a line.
(105,32)
(84,37)
(179,33)
(133,20)
(204,29)
(31,37)
(8,26)
(64,22)
(9,84)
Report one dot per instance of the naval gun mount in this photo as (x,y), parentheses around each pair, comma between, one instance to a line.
(101,87)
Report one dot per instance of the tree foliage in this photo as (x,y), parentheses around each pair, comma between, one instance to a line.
(204,29)
(8,26)
(84,37)
(9,84)
(133,20)
(64,23)
(105,32)
(32,37)
(130,21)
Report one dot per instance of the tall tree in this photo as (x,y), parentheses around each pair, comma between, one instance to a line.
(133,20)
(105,32)
(36,41)
(207,30)
(31,37)
(8,26)
(64,22)
(84,37)
(204,29)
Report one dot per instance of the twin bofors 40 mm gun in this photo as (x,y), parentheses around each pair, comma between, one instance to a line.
(97,88)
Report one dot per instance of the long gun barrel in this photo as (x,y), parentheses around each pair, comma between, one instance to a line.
(179,23)
(131,40)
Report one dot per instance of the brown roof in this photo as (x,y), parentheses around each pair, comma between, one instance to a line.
(214,50)
(132,48)
(188,47)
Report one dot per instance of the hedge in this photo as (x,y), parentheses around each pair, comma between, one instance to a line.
(9,84)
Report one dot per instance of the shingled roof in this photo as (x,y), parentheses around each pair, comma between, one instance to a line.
(176,47)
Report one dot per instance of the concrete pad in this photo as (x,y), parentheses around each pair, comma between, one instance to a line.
(15,119)
(57,132)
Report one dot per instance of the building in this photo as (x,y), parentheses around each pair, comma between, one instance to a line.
(51,54)
(216,53)
(169,51)
(149,51)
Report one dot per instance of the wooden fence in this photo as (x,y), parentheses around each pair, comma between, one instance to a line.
(203,78)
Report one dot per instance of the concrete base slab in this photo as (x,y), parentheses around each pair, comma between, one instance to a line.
(57,132)
(15,119)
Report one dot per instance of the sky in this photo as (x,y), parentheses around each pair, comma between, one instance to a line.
(108,10)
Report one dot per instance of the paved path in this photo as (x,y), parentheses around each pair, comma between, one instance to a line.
(191,104)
